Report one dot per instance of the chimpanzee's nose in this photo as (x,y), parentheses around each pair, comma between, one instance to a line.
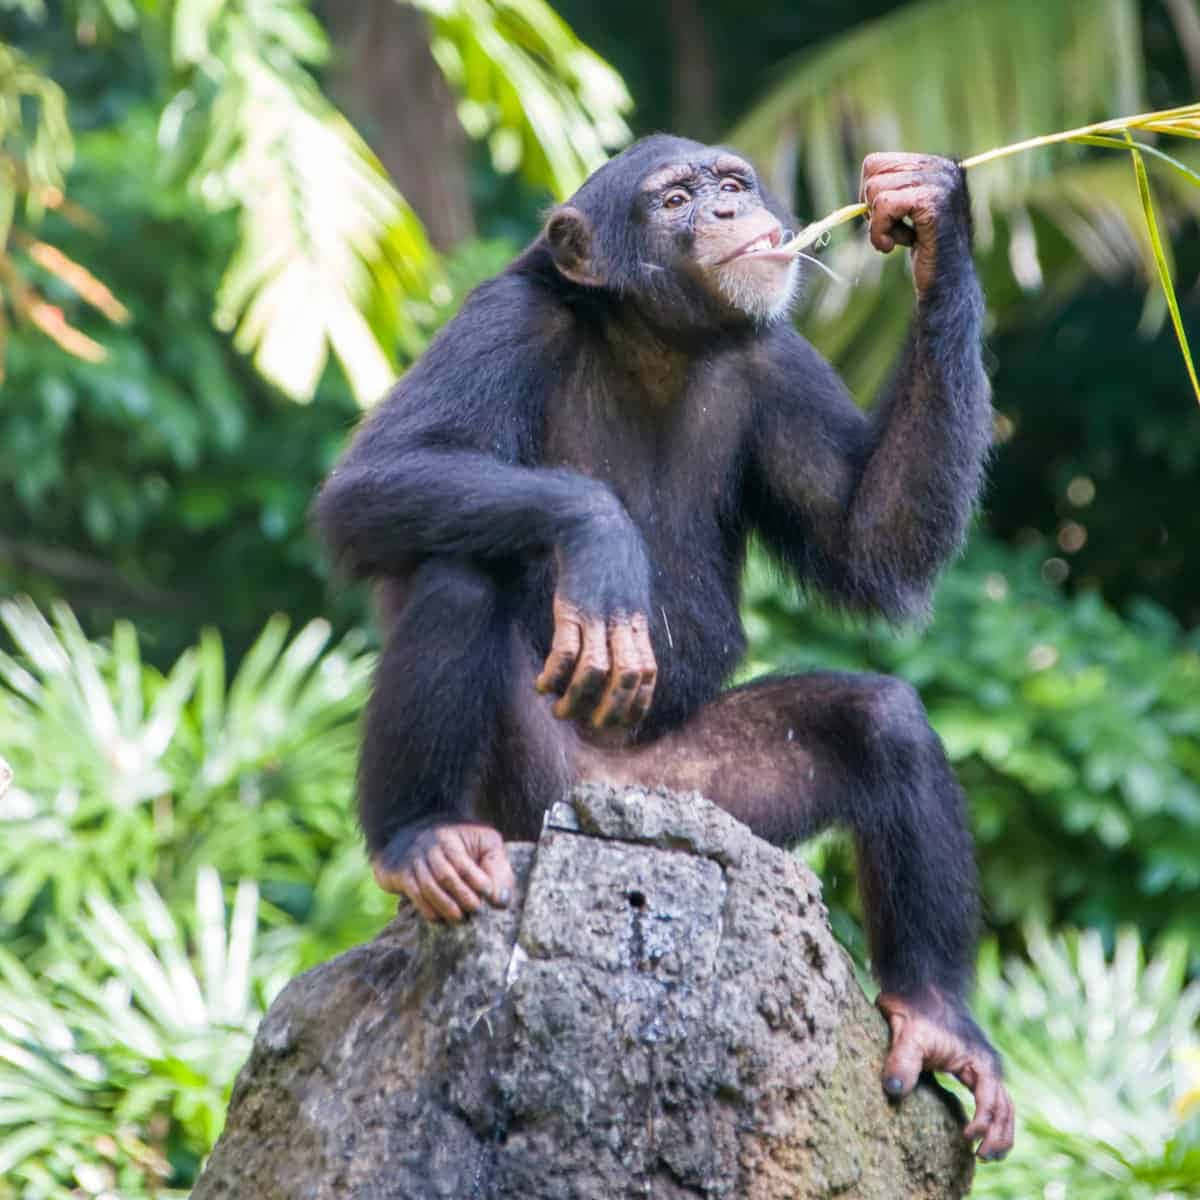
(725,211)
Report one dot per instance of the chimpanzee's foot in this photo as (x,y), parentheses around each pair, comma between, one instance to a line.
(447,869)
(935,1034)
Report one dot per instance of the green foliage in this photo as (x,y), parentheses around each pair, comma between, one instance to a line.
(35,139)
(978,76)
(1100,459)
(544,101)
(328,258)
(1076,734)
(119,1047)
(130,992)
(1095,1052)
(324,240)
(123,771)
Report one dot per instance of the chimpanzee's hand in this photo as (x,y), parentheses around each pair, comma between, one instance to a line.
(602,668)
(930,192)
(448,870)
(934,1034)
(601,662)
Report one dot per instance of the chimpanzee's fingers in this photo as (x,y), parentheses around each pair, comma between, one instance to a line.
(564,653)
(432,893)
(591,674)
(494,860)
(902,1068)
(451,881)
(624,677)
(648,667)
(404,883)
(887,212)
(995,1123)
(457,851)
(887,162)
(876,185)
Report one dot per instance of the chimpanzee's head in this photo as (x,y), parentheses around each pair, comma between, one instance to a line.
(681,229)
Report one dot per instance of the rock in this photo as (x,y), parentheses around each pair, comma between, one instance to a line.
(661,1012)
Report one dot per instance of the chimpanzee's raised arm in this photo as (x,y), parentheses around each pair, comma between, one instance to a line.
(870,508)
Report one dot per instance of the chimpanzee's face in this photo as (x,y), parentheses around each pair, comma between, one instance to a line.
(706,217)
(683,232)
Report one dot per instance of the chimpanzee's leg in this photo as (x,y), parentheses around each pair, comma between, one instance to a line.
(430,722)
(791,756)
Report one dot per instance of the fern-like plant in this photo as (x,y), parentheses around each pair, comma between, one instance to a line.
(118,1053)
(1097,1051)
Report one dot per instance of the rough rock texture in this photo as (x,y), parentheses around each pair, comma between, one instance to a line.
(662,1012)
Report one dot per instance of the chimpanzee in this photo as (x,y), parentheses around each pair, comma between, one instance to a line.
(556,500)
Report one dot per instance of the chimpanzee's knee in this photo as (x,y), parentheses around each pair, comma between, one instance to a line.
(895,724)
(451,593)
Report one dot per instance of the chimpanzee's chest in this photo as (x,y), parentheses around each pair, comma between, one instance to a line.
(676,465)
(673,456)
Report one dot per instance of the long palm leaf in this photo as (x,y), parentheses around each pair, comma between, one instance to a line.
(951,78)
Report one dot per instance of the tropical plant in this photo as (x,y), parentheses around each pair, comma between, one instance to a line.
(1096,1051)
(1075,734)
(123,771)
(35,149)
(974,77)
(329,257)
(119,1050)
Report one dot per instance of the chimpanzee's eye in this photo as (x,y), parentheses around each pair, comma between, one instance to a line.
(676,199)
(730,184)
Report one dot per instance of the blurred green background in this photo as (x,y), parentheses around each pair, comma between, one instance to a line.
(225,225)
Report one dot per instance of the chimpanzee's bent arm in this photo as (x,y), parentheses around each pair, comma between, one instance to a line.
(870,508)
(380,517)
(444,467)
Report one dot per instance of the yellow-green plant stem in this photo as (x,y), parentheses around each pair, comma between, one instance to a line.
(1183,122)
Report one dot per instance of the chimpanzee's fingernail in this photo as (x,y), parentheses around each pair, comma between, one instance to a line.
(503,897)
(893,1085)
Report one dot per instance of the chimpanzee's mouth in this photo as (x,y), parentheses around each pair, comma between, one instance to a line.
(762,245)
(767,242)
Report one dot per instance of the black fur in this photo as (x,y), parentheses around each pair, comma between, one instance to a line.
(621,437)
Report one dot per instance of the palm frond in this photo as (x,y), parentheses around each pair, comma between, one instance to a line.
(331,259)
(324,237)
(547,104)
(948,78)
(35,137)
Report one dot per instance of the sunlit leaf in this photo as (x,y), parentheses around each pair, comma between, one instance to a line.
(547,104)
(1160,259)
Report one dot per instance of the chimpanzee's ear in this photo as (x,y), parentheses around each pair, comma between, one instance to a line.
(569,236)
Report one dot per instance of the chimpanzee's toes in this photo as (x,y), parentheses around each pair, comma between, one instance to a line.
(937,1036)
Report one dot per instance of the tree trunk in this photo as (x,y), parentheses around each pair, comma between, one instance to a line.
(386,80)
(661,1012)
(693,75)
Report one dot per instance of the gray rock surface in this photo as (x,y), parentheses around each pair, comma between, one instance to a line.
(661,1012)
